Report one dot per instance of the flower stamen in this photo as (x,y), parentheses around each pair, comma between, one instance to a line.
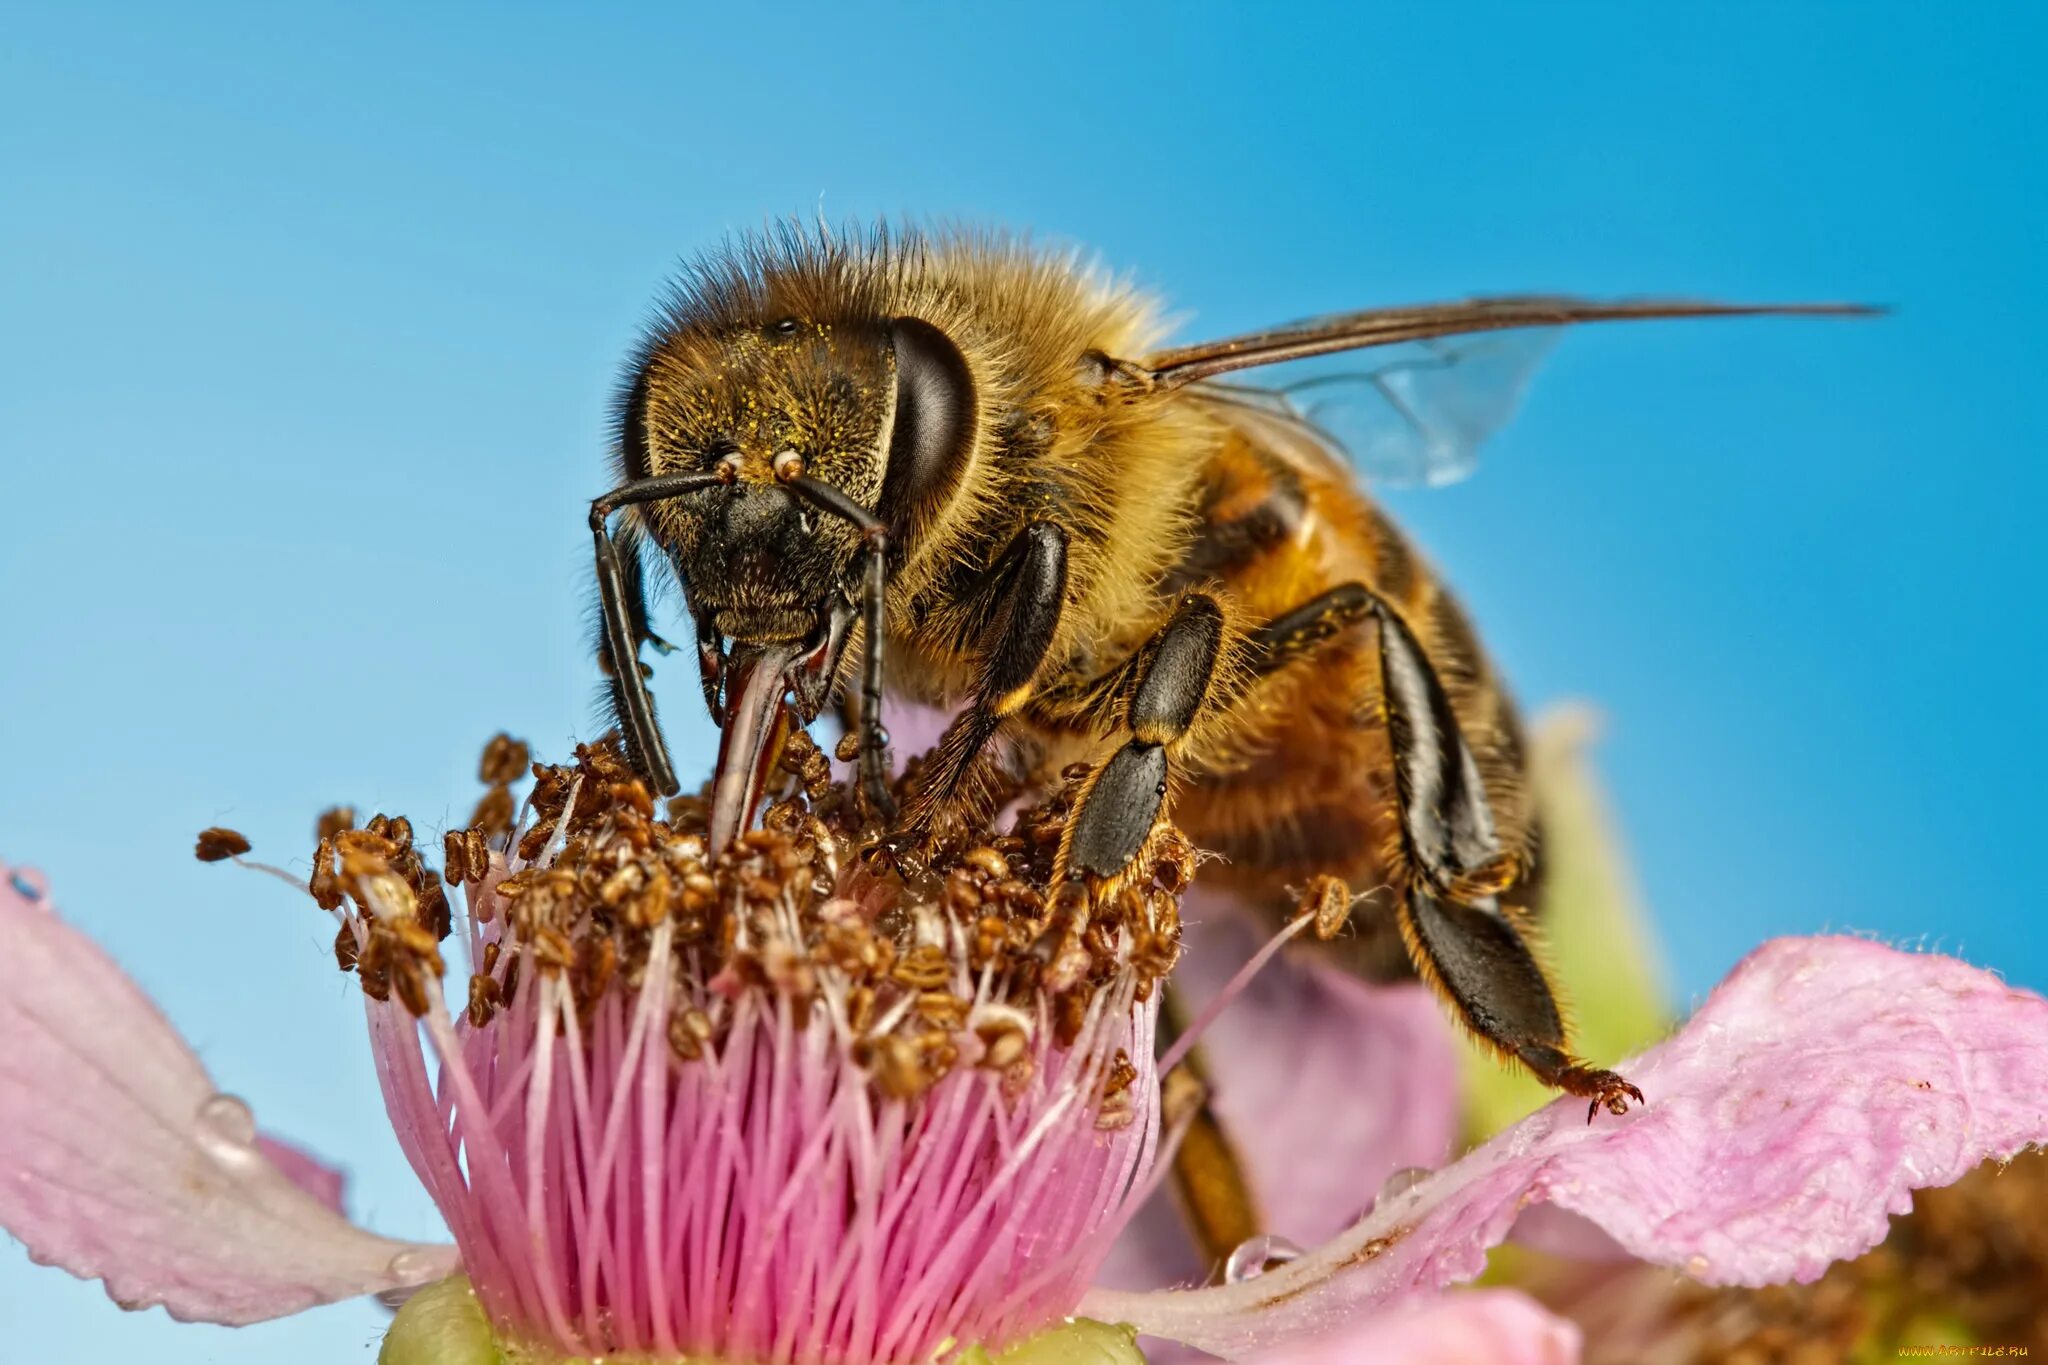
(773,1104)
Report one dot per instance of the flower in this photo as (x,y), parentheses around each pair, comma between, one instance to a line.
(1964,1269)
(702,1140)
(764,1106)
(1818,1085)
(125,1164)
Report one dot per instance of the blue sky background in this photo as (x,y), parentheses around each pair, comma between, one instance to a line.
(309,315)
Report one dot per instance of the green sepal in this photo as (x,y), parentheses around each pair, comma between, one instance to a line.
(1077,1341)
(443,1324)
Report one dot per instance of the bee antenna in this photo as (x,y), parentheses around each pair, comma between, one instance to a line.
(826,498)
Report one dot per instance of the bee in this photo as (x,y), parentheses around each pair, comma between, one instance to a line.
(958,469)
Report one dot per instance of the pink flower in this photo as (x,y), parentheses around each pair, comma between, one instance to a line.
(795,1133)
(669,1151)
(1819,1085)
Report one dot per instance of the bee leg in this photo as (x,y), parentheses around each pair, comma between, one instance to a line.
(1025,592)
(622,608)
(1210,1184)
(1120,805)
(1459,937)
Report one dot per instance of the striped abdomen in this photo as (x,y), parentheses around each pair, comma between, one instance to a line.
(1301,782)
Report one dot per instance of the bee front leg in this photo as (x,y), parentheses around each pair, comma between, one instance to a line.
(1024,594)
(1124,800)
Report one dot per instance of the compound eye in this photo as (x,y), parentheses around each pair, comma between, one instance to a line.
(935,421)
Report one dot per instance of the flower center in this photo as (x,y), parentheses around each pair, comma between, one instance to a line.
(770,1104)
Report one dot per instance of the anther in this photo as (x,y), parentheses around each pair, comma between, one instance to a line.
(216,844)
(454,857)
(333,821)
(1329,900)
(504,761)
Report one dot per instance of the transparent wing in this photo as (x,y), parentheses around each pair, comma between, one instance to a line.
(1417,414)
(1442,377)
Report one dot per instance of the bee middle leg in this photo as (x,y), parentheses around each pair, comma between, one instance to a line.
(1452,865)
(1172,679)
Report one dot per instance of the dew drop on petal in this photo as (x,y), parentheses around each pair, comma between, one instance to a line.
(1404,1179)
(23,887)
(1697,1266)
(226,1128)
(1253,1256)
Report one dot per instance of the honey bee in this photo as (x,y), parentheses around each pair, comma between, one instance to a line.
(961,470)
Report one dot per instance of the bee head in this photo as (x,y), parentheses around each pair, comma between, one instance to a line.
(881,412)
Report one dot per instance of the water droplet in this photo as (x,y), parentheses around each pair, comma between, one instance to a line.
(226,1128)
(1401,1181)
(1697,1266)
(23,887)
(1254,1257)
(413,1266)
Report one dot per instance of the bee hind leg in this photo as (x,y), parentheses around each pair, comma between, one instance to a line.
(1123,801)
(1212,1186)
(1459,936)
(1453,868)
(1476,958)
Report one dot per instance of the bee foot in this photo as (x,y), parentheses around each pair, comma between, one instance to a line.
(1603,1089)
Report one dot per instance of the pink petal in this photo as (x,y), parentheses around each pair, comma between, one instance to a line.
(1819,1085)
(124,1164)
(324,1182)
(1379,1061)
(1560,1232)
(1467,1327)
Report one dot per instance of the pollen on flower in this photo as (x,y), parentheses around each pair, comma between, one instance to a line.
(777,1102)
(217,844)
